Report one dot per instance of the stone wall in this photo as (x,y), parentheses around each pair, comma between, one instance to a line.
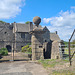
(37,46)
(1,44)
(20,42)
(46,35)
(6,35)
(55,50)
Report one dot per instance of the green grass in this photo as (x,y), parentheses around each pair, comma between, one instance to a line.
(51,62)
(46,63)
(66,51)
(63,72)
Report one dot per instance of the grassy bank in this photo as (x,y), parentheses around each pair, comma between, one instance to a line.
(52,62)
(57,67)
(63,72)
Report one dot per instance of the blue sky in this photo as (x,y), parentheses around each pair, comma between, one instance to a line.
(57,15)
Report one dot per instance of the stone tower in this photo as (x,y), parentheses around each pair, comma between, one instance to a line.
(37,40)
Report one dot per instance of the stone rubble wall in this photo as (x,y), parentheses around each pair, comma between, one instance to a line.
(55,50)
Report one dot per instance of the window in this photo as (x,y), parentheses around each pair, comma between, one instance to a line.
(22,35)
(21,46)
(45,40)
(40,46)
(5,32)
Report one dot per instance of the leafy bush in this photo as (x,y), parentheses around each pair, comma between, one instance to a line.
(26,49)
(3,51)
(29,49)
(27,22)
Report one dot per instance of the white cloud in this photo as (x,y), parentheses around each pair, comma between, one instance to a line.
(64,23)
(10,8)
(47,20)
(73,7)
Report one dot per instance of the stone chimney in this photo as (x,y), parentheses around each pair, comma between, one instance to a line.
(30,26)
(56,32)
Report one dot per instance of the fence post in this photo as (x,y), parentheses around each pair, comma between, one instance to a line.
(69,53)
(12,52)
(60,50)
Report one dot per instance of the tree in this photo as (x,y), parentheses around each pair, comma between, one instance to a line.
(2,21)
(27,22)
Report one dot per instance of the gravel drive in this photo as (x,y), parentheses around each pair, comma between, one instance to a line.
(21,68)
(19,73)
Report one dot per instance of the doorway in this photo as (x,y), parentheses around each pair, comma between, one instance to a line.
(47,51)
(8,48)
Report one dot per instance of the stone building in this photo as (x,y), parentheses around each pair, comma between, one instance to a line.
(55,53)
(16,35)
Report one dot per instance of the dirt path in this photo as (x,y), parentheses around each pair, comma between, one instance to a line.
(21,68)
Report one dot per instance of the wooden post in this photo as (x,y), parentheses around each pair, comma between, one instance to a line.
(12,52)
(69,53)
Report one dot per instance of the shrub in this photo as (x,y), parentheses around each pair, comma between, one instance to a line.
(4,51)
(26,49)
(29,49)
(3,48)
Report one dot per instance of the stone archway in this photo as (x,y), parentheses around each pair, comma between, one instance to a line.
(47,50)
(8,48)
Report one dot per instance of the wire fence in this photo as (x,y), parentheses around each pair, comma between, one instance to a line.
(64,54)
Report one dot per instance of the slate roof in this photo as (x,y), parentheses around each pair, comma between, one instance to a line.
(46,29)
(2,26)
(22,27)
(54,37)
(36,26)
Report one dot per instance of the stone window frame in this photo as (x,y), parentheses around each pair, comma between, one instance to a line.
(22,46)
(5,32)
(40,46)
(22,35)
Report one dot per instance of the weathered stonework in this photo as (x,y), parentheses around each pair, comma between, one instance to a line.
(37,45)
(16,35)
(55,50)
